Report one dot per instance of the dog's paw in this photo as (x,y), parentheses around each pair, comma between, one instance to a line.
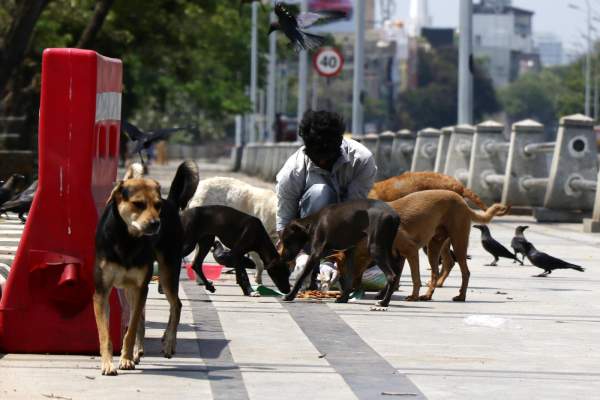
(210,287)
(137,355)
(288,297)
(168,348)
(411,298)
(377,308)
(458,298)
(254,294)
(108,368)
(425,297)
(126,363)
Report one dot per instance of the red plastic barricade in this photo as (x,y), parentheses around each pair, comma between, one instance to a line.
(47,304)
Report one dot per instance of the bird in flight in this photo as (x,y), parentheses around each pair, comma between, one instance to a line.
(293,26)
(143,140)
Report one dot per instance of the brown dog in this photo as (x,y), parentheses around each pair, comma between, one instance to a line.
(396,187)
(427,218)
(399,186)
(136,228)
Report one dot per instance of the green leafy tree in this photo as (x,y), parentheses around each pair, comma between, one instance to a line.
(534,95)
(434,103)
(186,62)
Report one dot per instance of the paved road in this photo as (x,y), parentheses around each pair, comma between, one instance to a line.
(516,337)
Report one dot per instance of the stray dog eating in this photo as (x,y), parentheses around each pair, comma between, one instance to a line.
(341,227)
(136,228)
(240,232)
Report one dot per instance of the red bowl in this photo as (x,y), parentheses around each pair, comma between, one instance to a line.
(211,271)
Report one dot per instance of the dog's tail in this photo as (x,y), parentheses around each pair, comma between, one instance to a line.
(474,198)
(496,210)
(184,184)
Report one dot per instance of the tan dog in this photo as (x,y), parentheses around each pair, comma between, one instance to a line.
(427,218)
(399,186)
(136,228)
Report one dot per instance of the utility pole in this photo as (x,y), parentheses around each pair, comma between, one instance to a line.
(588,60)
(465,55)
(271,82)
(253,73)
(302,72)
(359,69)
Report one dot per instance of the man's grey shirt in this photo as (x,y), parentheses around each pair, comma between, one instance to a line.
(351,177)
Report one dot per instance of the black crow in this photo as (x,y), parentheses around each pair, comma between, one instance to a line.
(223,257)
(518,241)
(547,262)
(11,187)
(494,247)
(21,203)
(292,26)
(143,140)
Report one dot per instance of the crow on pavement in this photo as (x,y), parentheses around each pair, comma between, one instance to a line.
(21,203)
(518,241)
(547,262)
(494,247)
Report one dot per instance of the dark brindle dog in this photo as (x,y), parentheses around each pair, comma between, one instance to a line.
(342,226)
(138,227)
(242,233)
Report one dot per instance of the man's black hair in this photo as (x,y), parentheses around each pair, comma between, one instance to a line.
(322,132)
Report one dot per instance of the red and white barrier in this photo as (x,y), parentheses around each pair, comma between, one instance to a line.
(47,303)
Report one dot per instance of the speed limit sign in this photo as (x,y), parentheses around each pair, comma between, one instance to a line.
(328,61)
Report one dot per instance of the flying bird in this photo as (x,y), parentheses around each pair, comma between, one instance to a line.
(547,262)
(143,140)
(493,247)
(293,26)
(518,241)
(20,204)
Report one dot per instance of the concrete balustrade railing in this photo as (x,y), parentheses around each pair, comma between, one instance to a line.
(383,155)
(488,161)
(403,148)
(459,152)
(442,150)
(557,179)
(425,150)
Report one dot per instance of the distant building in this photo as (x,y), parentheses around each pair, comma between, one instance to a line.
(419,17)
(502,36)
(550,48)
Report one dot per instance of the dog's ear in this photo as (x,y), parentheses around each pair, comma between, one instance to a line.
(298,228)
(157,187)
(117,193)
(134,170)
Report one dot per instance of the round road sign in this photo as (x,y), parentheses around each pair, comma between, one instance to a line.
(328,61)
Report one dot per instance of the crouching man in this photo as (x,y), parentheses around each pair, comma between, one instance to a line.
(328,169)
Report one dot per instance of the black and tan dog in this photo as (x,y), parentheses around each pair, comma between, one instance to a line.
(341,227)
(239,231)
(136,228)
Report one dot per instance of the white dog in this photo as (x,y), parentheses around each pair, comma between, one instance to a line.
(258,202)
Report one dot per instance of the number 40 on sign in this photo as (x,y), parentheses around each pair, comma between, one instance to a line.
(328,61)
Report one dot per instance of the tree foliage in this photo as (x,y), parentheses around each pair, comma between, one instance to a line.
(534,95)
(186,62)
(434,102)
